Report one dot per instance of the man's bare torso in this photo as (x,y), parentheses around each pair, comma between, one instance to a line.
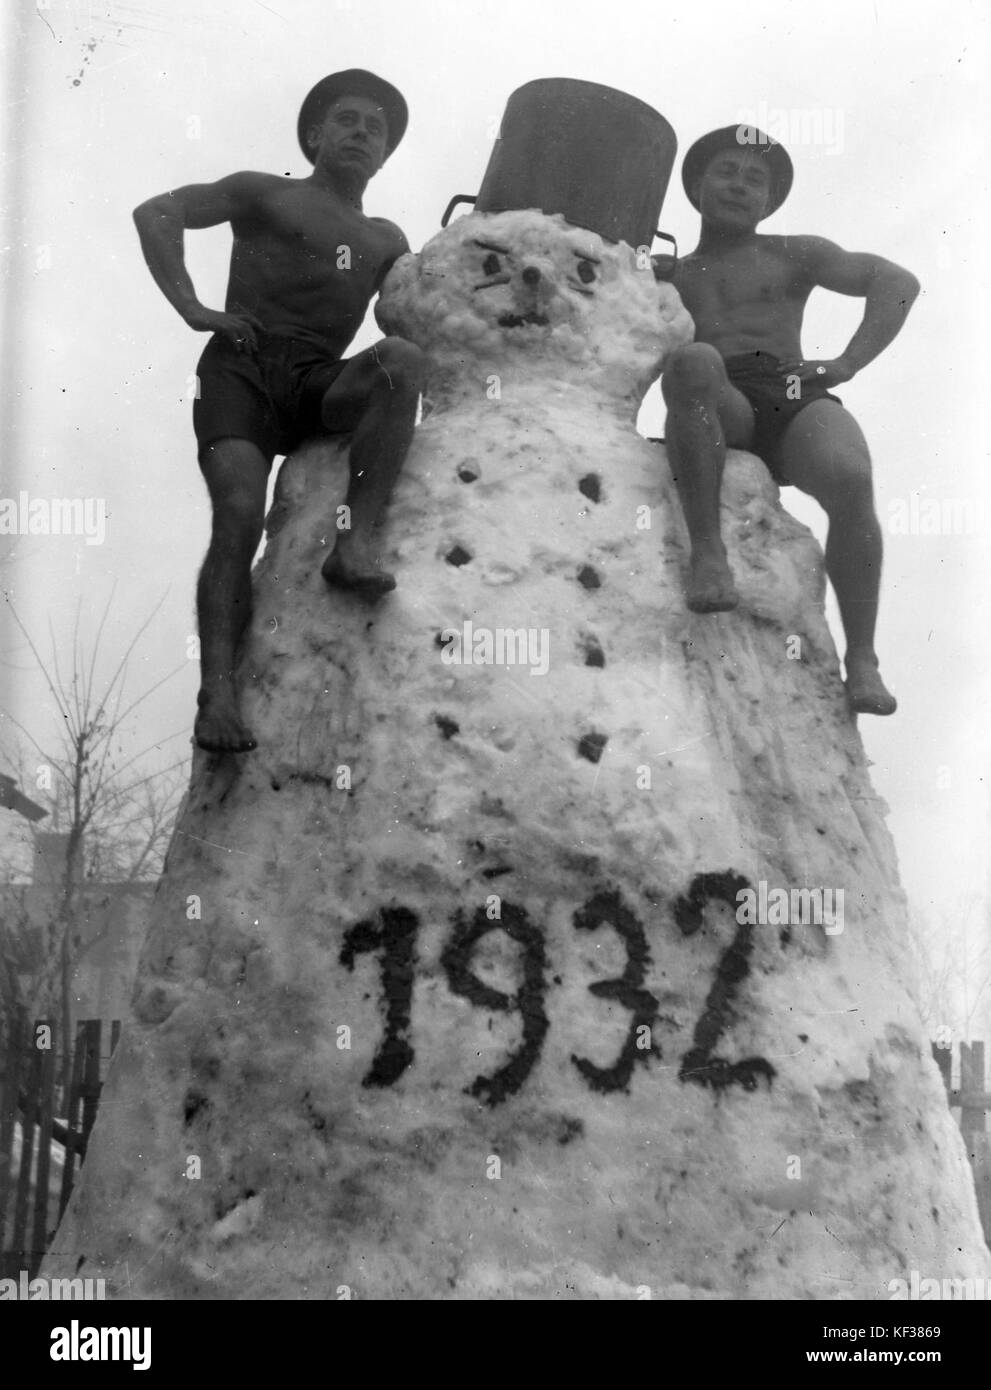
(748,297)
(304,259)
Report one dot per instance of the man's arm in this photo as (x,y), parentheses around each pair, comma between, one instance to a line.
(889,292)
(399,247)
(161,222)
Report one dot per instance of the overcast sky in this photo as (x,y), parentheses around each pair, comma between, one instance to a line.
(107,104)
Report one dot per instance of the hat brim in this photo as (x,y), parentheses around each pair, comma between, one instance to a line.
(353,82)
(738,137)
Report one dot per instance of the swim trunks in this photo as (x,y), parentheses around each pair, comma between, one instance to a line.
(759,377)
(271,397)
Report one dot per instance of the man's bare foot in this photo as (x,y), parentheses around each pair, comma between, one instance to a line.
(865,688)
(219,729)
(358,573)
(710,587)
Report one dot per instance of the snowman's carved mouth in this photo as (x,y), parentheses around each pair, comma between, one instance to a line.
(522,320)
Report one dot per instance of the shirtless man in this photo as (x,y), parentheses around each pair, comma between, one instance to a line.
(306,262)
(744,384)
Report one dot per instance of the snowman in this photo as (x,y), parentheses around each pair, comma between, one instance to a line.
(472,1000)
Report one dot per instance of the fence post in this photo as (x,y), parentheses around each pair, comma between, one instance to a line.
(90,1089)
(971,1084)
(16,1045)
(45,1112)
(33,1082)
(943,1057)
(981,1160)
(72,1119)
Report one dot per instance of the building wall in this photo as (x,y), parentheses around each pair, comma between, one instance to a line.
(109,935)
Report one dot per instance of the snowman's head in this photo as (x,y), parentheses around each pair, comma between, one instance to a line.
(521,289)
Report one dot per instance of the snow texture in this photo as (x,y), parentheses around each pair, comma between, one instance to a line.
(484,1023)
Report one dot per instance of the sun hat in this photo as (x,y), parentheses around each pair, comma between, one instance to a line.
(736,137)
(353,82)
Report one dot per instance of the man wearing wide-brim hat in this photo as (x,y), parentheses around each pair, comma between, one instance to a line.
(306,262)
(744,383)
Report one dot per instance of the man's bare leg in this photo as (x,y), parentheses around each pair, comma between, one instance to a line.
(824,453)
(701,403)
(236,473)
(383,384)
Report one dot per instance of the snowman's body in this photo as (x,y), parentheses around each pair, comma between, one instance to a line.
(472,1008)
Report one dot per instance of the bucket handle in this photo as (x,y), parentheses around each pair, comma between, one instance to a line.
(458,198)
(665,266)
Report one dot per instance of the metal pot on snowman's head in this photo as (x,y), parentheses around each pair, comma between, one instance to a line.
(598,156)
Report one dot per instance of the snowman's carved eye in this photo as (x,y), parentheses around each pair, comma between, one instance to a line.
(586,272)
(492,265)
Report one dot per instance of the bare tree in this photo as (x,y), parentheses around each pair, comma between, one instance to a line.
(116,816)
(953,968)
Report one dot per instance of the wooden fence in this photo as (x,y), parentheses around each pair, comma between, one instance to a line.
(973,1096)
(43,1131)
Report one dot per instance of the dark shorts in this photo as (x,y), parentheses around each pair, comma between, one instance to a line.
(271,397)
(759,377)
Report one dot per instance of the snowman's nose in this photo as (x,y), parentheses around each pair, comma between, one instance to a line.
(531,275)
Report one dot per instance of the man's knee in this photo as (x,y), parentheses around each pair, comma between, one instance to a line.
(236,474)
(855,490)
(693,372)
(847,486)
(238,519)
(404,365)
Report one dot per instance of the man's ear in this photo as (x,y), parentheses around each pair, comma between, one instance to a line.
(313,137)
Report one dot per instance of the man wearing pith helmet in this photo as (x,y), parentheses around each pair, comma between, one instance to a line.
(744,383)
(305,264)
